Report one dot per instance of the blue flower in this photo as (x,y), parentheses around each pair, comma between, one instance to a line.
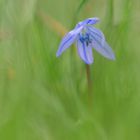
(86,37)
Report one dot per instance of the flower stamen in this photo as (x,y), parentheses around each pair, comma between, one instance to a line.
(85,38)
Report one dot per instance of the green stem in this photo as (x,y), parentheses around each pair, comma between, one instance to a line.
(111,11)
(78,10)
(89,84)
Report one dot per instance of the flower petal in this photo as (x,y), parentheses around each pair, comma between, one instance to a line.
(68,40)
(96,33)
(79,24)
(92,21)
(89,21)
(103,49)
(85,52)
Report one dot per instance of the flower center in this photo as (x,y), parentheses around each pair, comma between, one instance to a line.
(85,38)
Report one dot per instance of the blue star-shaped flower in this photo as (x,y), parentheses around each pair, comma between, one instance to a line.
(86,37)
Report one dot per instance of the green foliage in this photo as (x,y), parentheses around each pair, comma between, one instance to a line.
(45,98)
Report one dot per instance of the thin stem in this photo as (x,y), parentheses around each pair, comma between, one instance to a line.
(89,84)
(111,12)
(78,10)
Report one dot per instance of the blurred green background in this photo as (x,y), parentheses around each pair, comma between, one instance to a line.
(45,98)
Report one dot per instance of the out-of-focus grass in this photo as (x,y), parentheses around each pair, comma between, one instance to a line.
(45,98)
